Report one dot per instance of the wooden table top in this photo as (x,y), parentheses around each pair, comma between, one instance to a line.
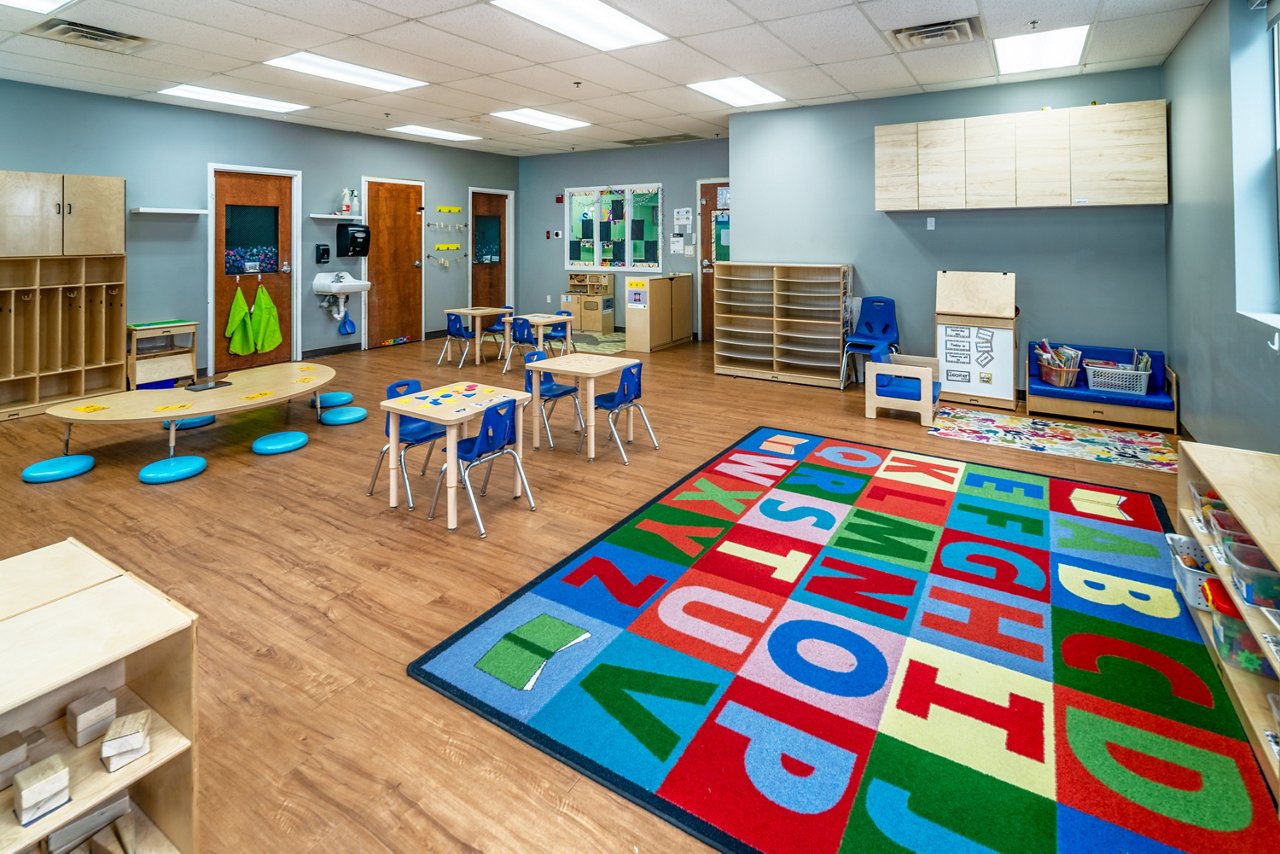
(475,311)
(544,319)
(453,403)
(582,364)
(249,389)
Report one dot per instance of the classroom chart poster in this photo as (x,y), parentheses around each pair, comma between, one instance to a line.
(638,293)
(977,360)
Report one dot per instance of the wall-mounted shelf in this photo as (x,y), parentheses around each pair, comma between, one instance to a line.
(171,211)
(353,218)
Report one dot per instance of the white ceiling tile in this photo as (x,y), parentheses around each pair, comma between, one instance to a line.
(1045,74)
(583,112)
(352,17)
(504,90)
(604,70)
(449,96)
(77,85)
(679,18)
(384,58)
(895,14)
(1111,10)
(628,106)
(889,93)
(1147,35)
(157,98)
(831,36)
(64,70)
(418,8)
(679,99)
(174,54)
(403,108)
(140,22)
(234,17)
(88,58)
(16,20)
(959,84)
(818,102)
(596,132)
(871,75)
(1122,64)
(421,40)
(701,127)
(331,119)
(259,89)
(748,50)
(797,83)
(517,35)
(286,79)
(640,129)
(951,63)
(716,117)
(1002,18)
(770,10)
(675,61)
(555,82)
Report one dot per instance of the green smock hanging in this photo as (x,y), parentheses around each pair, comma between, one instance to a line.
(239,329)
(265,322)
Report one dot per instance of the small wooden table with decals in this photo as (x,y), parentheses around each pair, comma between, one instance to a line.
(251,388)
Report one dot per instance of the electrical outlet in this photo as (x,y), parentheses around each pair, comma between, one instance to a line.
(928,223)
(548,299)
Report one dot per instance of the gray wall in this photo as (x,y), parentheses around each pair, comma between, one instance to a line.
(1222,229)
(163,153)
(541,272)
(803,190)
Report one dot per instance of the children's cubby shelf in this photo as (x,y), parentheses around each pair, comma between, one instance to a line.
(171,211)
(62,325)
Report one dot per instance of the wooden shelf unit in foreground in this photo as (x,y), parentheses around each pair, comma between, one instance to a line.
(72,622)
(784,322)
(1246,482)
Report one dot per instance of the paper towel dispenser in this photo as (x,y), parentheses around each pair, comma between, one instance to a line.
(353,240)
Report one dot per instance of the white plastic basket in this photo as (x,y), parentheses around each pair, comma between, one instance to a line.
(1189,580)
(1118,380)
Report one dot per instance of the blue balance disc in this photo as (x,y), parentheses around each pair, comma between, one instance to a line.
(343,415)
(279,443)
(172,469)
(191,423)
(330,399)
(58,468)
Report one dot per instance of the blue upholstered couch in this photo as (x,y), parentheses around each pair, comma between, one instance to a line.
(1157,408)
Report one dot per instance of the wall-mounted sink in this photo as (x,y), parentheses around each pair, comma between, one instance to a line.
(337,284)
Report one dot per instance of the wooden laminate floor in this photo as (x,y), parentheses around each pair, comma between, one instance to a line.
(313,597)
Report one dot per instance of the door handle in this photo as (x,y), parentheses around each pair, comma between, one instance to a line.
(417,263)
(57,206)
(68,208)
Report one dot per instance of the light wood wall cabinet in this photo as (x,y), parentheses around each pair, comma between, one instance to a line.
(62,330)
(783,322)
(52,214)
(72,622)
(1111,154)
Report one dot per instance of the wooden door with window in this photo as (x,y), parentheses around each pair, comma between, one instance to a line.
(488,249)
(253,245)
(713,245)
(394,213)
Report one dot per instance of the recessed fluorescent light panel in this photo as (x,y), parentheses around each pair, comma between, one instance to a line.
(419,130)
(589,21)
(737,92)
(537,118)
(217,96)
(1037,51)
(323,66)
(41,6)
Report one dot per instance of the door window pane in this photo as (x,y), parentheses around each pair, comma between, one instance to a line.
(488,239)
(252,239)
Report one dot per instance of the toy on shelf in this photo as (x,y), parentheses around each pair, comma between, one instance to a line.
(41,789)
(89,717)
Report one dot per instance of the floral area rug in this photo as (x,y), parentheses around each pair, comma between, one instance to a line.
(1140,449)
(595,342)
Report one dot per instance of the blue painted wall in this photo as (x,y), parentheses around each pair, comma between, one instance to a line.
(803,190)
(163,153)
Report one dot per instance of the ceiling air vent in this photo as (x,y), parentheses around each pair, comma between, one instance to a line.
(87,36)
(659,140)
(935,35)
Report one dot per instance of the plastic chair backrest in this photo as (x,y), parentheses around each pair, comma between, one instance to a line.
(547,378)
(878,318)
(629,384)
(453,325)
(522,331)
(561,328)
(497,428)
(400,388)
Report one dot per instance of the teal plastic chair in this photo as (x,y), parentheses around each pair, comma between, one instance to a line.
(551,392)
(496,436)
(615,402)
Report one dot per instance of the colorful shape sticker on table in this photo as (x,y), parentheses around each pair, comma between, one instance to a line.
(57,468)
(812,644)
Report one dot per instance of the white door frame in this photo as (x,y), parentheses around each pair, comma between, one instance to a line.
(295,265)
(422,257)
(509,215)
(697,236)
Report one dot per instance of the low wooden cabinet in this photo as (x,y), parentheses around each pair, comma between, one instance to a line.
(72,622)
(659,311)
(52,214)
(161,350)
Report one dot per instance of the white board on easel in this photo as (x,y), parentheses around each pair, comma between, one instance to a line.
(977,339)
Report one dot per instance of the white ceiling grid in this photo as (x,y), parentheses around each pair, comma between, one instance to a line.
(479,59)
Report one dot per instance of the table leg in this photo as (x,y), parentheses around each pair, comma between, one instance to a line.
(541,329)
(590,415)
(506,337)
(393,453)
(631,423)
(173,435)
(315,396)
(536,405)
(476,332)
(515,472)
(451,475)
(568,338)
(66,440)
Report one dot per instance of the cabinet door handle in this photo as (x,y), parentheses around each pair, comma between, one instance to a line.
(68,208)
(57,206)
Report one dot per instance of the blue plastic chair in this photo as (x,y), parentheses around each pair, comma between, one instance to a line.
(498,330)
(456,330)
(615,402)
(413,432)
(875,336)
(559,332)
(522,335)
(496,436)
(551,392)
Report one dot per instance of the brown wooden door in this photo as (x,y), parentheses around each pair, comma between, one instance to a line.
(710,199)
(488,249)
(394,214)
(253,244)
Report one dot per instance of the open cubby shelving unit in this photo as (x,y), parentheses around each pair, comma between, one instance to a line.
(783,322)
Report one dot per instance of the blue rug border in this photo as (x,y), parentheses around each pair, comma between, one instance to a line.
(688,822)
